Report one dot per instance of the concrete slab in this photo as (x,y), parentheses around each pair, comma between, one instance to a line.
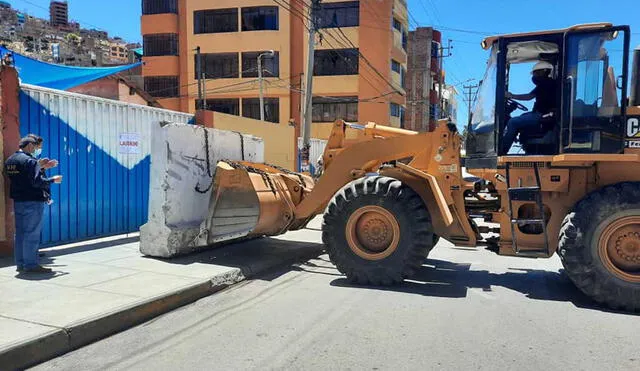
(16,331)
(176,208)
(146,284)
(54,305)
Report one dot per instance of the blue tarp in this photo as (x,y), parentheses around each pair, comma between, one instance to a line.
(57,76)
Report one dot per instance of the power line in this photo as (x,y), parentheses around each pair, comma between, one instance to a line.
(303,16)
(220,89)
(362,73)
(342,99)
(369,63)
(297,13)
(340,54)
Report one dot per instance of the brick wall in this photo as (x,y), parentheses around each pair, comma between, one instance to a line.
(421,71)
(10,120)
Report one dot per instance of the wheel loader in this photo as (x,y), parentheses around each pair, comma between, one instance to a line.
(572,186)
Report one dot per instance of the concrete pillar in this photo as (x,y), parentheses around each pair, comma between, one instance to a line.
(10,121)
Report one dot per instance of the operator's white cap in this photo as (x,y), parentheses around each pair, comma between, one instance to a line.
(542,65)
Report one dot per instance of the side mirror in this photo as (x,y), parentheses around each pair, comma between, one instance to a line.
(619,82)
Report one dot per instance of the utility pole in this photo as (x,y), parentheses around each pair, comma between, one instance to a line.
(269,53)
(470,94)
(448,48)
(199,75)
(306,127)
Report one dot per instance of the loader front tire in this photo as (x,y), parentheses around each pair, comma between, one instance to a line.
(377,231)
(599,246)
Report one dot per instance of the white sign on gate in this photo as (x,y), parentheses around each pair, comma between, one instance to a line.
(129,143)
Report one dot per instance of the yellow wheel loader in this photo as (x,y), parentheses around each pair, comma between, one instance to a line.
(571,185)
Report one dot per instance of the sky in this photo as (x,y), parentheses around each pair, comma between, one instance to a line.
(466,22)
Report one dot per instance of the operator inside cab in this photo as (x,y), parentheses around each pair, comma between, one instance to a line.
(545,95)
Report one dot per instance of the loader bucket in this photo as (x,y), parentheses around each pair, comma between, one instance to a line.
(250,200)
(234,208)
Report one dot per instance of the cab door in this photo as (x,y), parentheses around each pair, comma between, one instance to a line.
(594,90)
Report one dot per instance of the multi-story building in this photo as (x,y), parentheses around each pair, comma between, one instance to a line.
(118,52)
(59,13)
(450,103)
(359,66)
(423,78)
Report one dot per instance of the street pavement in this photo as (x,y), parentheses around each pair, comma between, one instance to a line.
(465,309)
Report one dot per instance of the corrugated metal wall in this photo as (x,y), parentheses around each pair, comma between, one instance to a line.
(106,180)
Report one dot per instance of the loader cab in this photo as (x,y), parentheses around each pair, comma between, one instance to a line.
(590,74)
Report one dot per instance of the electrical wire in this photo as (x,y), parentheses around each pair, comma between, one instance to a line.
(370,65)
(227,88)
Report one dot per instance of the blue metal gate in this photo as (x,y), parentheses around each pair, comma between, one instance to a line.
(104,151)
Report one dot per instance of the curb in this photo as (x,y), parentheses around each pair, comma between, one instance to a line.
(58,342)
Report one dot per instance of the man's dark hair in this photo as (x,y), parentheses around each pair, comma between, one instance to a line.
(26,141)
(37,138)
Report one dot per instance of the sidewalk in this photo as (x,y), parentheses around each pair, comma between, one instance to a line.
(102,287)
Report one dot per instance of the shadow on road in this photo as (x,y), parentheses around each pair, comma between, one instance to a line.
(261,256)
(452,280)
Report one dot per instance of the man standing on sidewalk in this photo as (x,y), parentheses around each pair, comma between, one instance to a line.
(45,164)
(28,185)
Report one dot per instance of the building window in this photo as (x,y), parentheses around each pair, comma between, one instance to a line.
(160,44)
(395,66)
(270,64)
(260,18)
(218,65)
(403,77)
(345,14)
(330,109)
(159,6)
(251,109)
(162,86)
(335,62)
(397,25)
(405,37)
(228,106)
(215,21)
(435,49)
(395,110)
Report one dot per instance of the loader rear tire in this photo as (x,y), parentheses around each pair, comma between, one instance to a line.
(377,231)
(599,245)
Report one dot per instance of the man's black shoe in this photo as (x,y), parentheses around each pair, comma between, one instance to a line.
(38,269)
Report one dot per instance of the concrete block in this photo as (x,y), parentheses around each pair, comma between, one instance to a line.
(181,178)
